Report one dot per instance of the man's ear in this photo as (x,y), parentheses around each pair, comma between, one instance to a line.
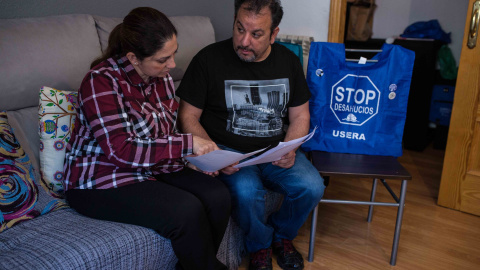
(274,34)
(132,58)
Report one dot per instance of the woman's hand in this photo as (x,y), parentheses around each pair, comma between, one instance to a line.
(286,161)
(202,146)
(229,170)
(193,167)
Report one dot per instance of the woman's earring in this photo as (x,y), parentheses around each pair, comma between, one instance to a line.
(136,63)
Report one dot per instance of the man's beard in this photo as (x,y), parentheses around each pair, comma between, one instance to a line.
(251,59)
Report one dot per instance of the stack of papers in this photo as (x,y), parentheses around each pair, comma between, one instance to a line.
(220,159)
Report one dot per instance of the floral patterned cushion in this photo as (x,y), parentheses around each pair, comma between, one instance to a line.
(57,115)
(21,197)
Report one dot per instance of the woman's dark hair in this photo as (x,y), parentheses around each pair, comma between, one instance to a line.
(143,32)
(256,6)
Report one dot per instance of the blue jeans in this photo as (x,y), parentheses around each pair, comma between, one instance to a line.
(302,188)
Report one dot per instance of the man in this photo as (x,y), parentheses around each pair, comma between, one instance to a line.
(239,93)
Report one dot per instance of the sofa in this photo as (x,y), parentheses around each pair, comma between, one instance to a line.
(53,54)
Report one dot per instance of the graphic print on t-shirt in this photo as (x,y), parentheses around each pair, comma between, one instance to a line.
(256,108)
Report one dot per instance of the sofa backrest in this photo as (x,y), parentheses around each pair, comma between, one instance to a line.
(57,51)
(54,51)
(194,33)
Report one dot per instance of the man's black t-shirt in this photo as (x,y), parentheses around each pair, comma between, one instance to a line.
(245,105)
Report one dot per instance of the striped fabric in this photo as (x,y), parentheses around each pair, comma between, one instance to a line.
(66,240)
(125,130)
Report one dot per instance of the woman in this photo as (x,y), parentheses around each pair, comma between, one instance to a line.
(124,160)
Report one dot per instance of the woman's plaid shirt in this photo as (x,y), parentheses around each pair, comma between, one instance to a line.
(125,129)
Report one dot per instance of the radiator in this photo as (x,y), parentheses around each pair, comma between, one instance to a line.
(302,40)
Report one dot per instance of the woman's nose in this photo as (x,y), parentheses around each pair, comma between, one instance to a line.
(171,62)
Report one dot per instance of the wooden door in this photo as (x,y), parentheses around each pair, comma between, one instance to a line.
(336,22)
(460,184)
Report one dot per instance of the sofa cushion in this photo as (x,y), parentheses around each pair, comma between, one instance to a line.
(104,26)
(21,198)
(67,240)
(57,114)
(194,33)
(55,51)
(25,126)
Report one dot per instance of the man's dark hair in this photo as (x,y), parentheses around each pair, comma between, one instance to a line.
(256,6)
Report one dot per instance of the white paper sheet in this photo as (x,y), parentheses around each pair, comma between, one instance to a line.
(220,159)
(277,152)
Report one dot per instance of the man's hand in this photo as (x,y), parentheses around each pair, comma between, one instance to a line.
(229,170)
(286,161)
(299,118)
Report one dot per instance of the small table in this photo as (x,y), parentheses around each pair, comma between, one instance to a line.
(362,166)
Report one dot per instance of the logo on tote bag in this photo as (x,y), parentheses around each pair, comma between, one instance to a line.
(355,100)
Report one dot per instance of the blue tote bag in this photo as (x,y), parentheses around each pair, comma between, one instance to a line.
(358,108)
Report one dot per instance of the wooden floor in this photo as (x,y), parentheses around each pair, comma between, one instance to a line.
(432,237)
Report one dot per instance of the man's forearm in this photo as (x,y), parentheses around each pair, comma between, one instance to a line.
(297,129)
(189,116)
(191,125)
(299,122)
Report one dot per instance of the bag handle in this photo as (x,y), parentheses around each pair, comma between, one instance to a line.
(362,3)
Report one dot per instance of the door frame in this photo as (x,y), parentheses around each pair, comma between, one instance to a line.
(336,22)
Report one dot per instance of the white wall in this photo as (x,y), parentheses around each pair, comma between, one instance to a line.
(302,17)
(306,18)
(393,16)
